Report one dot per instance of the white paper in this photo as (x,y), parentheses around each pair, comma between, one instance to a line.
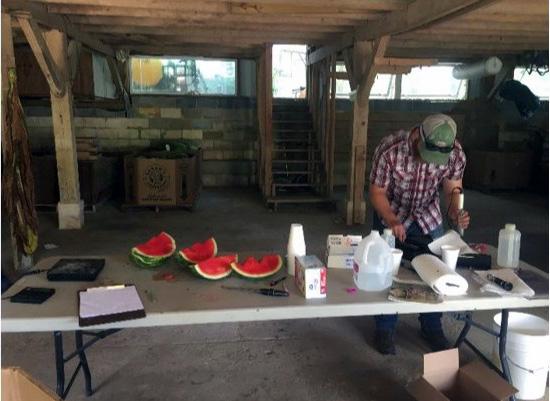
(439,276)
(100,302)
(452,238)
(520,289)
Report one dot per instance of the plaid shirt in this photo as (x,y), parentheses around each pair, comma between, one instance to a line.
(413,186)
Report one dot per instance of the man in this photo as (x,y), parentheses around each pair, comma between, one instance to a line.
(407,171)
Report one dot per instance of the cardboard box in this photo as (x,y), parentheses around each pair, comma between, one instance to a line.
(338,244)
(17,385)
(497,170)
(310,276)
(444,380)
(340,261)
(162,182)
(340,250)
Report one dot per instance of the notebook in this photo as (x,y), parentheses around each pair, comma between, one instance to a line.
(99,305)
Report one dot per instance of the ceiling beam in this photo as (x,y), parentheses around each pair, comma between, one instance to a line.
(418,14)
(41,16)
(255,6)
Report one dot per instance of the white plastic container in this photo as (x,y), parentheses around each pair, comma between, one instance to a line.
(296,246)
(373,264)
(388,237)
(508,246)
(527,348)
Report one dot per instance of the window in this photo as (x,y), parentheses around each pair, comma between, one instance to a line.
(383,87)
(183,76)
(538,84)
(433,83)
(289,71)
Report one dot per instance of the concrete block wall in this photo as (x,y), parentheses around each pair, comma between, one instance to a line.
(227,135)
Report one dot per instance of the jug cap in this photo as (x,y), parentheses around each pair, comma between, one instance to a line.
(388,231)
(375,233)
(510,227)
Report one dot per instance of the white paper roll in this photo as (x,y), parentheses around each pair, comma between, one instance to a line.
(439,276)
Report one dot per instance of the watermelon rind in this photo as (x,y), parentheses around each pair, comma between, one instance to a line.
(188,259)
(140,261)
(196,269)
(240,272)
(135,249)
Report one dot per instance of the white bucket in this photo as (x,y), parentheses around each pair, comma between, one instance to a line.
(527,350)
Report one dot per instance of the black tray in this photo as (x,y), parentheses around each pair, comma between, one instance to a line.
(76,269)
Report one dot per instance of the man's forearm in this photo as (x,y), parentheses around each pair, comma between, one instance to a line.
(381,204)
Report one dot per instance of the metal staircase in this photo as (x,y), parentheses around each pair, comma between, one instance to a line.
(297,170)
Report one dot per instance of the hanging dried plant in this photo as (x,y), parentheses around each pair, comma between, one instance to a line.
(17,179)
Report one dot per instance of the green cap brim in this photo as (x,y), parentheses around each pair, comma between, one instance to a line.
(434,157)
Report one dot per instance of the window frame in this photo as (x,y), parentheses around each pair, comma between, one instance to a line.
(525,71)
(157,93)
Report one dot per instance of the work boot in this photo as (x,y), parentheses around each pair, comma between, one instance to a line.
(436,339)
(383,341)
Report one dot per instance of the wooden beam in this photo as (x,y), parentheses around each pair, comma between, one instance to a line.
(201,19)
(259,6)
(411,62)
(418,14)
(70,208)
(365,72)
(336,46)
(40,14)
(40,50)
(119,84)
(268,125)
(332,129)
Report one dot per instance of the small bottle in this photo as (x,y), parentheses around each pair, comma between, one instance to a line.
(296,246)
(388,237)
(508,246)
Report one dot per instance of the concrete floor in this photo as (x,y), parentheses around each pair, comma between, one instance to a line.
(312,359)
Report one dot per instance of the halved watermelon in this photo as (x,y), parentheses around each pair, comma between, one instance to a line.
(257,269)
(153,252)
(214,268)
(199,252)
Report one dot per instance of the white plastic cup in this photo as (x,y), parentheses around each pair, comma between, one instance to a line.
(397,255)
(296,246)
(449,254)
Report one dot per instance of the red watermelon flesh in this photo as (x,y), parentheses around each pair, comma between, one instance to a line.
(253,268)
(199,252)
(160,246)
(215,268)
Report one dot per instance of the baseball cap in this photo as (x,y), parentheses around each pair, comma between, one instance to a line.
(438,133)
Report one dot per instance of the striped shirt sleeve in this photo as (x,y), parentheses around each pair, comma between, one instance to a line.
(458,165)
(381,167)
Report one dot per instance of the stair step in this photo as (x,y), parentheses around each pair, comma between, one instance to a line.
(299,199)
(291,122)
(296,161)
(294,150)
(291,140)
(291,185)
(292,172)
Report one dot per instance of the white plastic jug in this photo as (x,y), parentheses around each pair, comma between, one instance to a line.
(372,263)
(508,246)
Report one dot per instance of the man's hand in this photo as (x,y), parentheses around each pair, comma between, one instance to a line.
(399,231)
(460,218)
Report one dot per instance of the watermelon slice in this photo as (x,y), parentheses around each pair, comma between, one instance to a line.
(153,252)
(214,268)
(199,252)
(258,269)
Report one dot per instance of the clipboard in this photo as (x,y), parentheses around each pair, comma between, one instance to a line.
(115,303)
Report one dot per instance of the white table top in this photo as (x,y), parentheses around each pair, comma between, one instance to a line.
(191,300)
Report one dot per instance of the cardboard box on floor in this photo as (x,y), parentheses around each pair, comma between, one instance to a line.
(444,380)
(17,385)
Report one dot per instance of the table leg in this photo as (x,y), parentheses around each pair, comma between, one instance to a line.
(503,334)
(83,362)
(465,330)
(59,363)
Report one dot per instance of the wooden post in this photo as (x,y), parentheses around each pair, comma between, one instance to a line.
(268,119)
(8,61)
(70,208)
(260,105)
(332,127)
(364,72)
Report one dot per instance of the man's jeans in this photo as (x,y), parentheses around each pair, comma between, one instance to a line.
(428,321)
